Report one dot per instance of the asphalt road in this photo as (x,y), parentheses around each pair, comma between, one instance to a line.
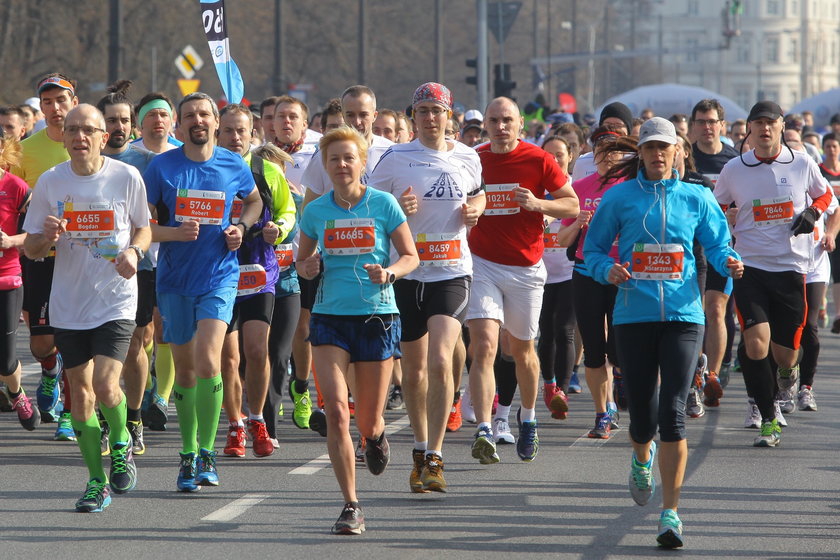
(571,502)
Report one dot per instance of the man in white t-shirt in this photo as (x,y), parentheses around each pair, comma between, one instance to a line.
(439,186)
(93,209)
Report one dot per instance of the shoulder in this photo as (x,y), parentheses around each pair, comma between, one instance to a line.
(380,143)
(729,151)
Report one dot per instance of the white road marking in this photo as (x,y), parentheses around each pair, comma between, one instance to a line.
(235,508)
(312,467)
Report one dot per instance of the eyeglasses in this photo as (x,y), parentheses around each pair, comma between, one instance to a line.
(87,130)
(707,122)
(426,111)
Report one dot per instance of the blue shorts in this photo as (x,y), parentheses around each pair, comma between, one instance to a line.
(181,314)
(367,338)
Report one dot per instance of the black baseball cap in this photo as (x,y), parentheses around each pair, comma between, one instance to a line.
(765,110)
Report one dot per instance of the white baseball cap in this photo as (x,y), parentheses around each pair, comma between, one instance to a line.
(473,115)
(657,129)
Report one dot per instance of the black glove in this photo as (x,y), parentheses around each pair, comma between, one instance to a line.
(804,222)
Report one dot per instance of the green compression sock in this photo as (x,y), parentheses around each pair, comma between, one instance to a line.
(185,406)
(165,370)
(208,396)
(116,418)
(88,434)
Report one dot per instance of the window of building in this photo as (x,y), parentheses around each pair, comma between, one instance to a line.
(794,95)
(691,46)
(743,52)
(744,96)
(771,50)
(793,50)
(794,7)
(773,7)
(692,7)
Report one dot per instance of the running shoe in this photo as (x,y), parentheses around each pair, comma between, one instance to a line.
(806,400)
(135,430)
(28,415)
(49,388)
(467,411)
(5,399)
(642,482)
(670,530)
(350,522)
(123,474)
(275,443)
(701,369)
(432,476)
(303,406)
(770,436)
(787,400)
(455,421)
(787,378)
(778,416)
(97,497)
(395,399)
(206,474)
(724,373)
(495,405)
(146,404)
(418,458)
(377,454)
(753,419)
(157,414)
(360,450)
(835,325)
(574,383)
(351,406)
(712,390)
(64,431)
(104,442)
(259,438)
(619,395)
(694,405)
(556,401)
(501,431)
(483,447)
(318,422)
(235,445)
(187,473)
(602,427)
(612,411)
(528,444)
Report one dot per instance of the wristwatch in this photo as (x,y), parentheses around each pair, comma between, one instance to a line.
(139,251)
(391,276)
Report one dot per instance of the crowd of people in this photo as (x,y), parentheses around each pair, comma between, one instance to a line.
(217,256)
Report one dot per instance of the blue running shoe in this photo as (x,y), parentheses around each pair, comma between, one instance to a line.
(528,444)
(157,415)
(148,395)
(670,529)
(65,431)
(49,391)
(612,411)
(186,473)
(574,383)
(97,497)
(642,483)
(483,447)
(207,474)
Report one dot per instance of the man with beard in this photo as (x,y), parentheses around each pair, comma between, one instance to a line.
(119,121)
(190,191)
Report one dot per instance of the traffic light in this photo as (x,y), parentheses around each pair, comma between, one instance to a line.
(473,63)
(503,86)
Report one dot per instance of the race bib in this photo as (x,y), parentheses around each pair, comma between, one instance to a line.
(205,207)
(236,211)
(285,256)
(251,279)
(772,211)
(652,261)
(89,219)
(713,177)
(438,249)
(550,242)
(355,236)
(500,199)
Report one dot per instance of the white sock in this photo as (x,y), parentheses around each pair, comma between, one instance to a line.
(420,445)
(431,451)
(256,417)
(502,412)
(527,414)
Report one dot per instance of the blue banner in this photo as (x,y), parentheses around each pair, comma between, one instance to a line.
(215,27)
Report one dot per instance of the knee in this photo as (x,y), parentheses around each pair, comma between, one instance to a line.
(338,416)
(755,349)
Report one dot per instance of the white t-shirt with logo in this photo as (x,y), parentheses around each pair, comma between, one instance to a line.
(316,179)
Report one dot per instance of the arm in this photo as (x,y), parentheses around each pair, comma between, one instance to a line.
(11,241)
(308,197)
(567,234)
(308,262)
(564,205)
(126,262)
(713,234)
(604,226)
(185,231)
(37,245)
(832,228)
(251,209)
(283,213)
(473,209)
(408,261)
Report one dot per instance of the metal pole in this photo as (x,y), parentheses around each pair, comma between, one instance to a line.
(439,41)
(277,83)
(362,40)
(481,69)
(548,35)
(114,41)
(154,68)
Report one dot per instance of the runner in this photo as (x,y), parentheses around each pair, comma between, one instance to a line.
(13,122)
(658,318)
(190,191)
(439,185)
(355,319)
(771,186)
(93,209)
(508,274)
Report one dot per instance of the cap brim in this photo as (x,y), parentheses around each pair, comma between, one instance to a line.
(765,115)
(51,85)
(658,138)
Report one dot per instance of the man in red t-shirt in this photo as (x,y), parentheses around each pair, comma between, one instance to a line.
(508,273)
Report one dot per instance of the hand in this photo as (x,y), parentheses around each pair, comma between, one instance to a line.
(5,240)
(829,243)
(376,273)
(583,218)
(270,232)
(526,199)
(408,202)
(736,267)
(618,274)
(53,228)
(731,213)
(188,231)
(126,263)
(804,222)
(470,215)
(233,237)
(309,268)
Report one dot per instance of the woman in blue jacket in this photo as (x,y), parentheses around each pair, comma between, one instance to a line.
(658,315)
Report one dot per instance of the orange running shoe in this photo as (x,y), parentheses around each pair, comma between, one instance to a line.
(455,419)
(259,437)
(235,446)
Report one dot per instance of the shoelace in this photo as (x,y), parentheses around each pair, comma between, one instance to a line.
(208,462)
(93,490)
(641,476)
(48,385)
(118,459)
(434,466)
(188,467)
(23,404)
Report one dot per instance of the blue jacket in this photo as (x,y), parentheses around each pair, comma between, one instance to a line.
(639,211)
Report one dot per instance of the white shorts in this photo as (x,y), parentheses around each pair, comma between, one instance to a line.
(510,294)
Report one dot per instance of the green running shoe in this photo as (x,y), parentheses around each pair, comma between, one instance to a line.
(303,406)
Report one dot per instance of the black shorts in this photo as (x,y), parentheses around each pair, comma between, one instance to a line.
(418,301)
(259,307)
(146,298)
(777,298)
(716,282)
(37,285)
(308,291)
(110,339)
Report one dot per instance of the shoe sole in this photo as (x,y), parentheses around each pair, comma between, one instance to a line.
(434,486)
(504,440)
(189,489)
(156,419)
(234,452)
(766,444)
(808,409)
(669,539)
(713,391)
(264,454)
(206,482)
(301,425)
(558,406)
(105,504)
(348,530)
(417,488)
(484,451)
(594,435)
